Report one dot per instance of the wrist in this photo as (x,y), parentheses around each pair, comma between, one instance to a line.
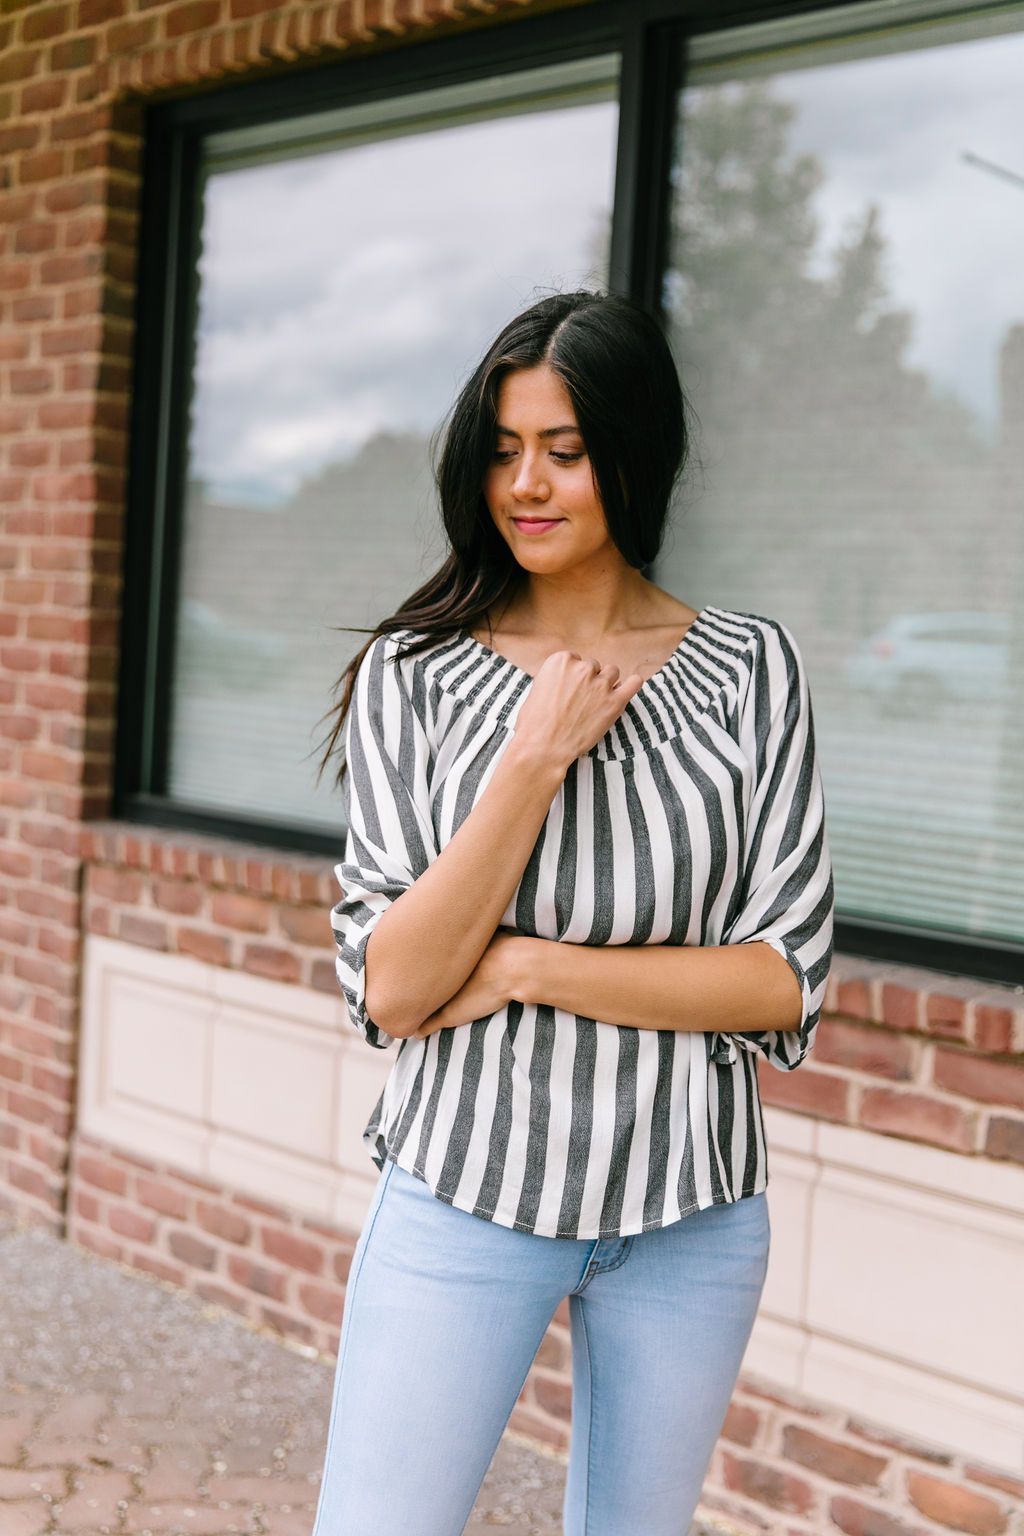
(537,758)
(526,958)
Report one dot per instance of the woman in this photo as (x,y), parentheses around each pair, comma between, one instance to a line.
(586,884)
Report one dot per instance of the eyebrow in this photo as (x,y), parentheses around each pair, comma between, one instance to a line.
(545,432)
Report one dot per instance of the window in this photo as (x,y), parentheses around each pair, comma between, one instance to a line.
(843,296)
(824,208)
(351,265)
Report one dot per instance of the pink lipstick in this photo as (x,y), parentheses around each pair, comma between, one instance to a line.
(536,525)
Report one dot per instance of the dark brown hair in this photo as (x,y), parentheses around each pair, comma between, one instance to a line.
(621,377)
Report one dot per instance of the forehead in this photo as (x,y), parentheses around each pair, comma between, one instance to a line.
(536,397)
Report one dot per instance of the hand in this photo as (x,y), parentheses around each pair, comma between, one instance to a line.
(571,703)
(488,987)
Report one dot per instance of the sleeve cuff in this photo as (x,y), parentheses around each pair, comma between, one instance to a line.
(725,1043)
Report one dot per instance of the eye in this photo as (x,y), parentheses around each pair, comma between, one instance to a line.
(502,456)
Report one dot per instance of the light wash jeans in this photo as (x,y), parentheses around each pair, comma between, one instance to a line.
(443,1316)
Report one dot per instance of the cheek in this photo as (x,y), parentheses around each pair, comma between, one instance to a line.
(491,487)
(580,493)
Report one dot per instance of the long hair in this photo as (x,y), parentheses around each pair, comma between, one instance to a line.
(631,411)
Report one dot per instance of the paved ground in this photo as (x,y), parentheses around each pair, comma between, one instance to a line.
(129,1407)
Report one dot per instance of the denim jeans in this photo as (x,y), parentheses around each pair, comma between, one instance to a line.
(444,1314)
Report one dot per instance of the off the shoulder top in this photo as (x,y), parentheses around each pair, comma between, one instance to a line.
(698,818)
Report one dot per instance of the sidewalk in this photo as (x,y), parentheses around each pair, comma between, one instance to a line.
(127,1405)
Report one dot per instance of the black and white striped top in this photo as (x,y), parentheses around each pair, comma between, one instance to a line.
(697,819)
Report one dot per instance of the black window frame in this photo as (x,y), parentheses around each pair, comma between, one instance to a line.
(650,36)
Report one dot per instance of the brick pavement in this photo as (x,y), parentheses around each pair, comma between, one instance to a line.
(128,1406)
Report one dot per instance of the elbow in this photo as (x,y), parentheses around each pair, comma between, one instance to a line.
(381,1009)
(394,1015)
(383,1014)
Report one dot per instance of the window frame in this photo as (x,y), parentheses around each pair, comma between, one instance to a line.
(650,36)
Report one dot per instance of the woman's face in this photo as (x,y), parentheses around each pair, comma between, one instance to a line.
(540,475)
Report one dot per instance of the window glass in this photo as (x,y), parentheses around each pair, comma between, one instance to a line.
(352,267)
(844,300)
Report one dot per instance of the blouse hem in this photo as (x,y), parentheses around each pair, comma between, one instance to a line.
(383,1154)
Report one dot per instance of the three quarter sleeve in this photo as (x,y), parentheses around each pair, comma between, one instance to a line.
(389,839)
(786,895)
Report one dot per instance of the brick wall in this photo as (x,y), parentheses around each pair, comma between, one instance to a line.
(935,1059)
(910,1055)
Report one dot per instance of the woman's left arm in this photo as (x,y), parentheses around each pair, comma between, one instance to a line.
(657,986)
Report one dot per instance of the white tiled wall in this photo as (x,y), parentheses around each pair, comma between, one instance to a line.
(259,1085)
(896,1284)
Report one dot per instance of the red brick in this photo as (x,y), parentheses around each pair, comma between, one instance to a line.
(858,1519)
(44,165)
(86,1205)
(93,13)
(220,1221)
(127,1222)
(321,1301)
(980,1077)
(45,21)
(178,896)
(307,925)
(901,1006)
(996,1479)
(141,930)
(554,1351)
(265,960)
(256,1277)
(894,1440)
(210,947)
(19,64)
(953,1505)
(43,95)
(835,1459)
(771,1485)
(102,1174)
(130,35)
(993,1027)
(741,1423)
(161,1197)
(191,1251)
(918,1117)
(547,1431)
(946,1016)
(1005,1139)
(323,976)
(245,913)
(865,1048)
(824,1094)
(292,1250)
(553,1394)
(192,16)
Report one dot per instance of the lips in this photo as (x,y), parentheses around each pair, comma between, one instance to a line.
(534,525)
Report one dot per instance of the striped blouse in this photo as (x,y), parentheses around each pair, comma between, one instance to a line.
(698,818)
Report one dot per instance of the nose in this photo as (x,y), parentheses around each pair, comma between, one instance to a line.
(529,483)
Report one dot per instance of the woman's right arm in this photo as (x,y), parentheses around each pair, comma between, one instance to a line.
(414,919)
(428,943)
